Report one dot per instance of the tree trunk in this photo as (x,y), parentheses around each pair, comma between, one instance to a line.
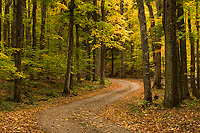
(171,87)
(77,54)
(103,54)
(156,49)
(94,43)
(145,51)
(0,19)
(88,76)
(28,27)
(34,34)
(152,41)
(17,54)
(183,54)
(112,71)
(13,32)
(70,50)
(42,35)
(122,72)
(7,23)
(192,63)
(98,62)
(197,26)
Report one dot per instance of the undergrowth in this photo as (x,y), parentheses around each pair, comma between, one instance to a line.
(36,91)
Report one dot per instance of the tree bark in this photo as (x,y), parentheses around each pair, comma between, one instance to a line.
(42,35)
(112,71)
(78,75)
(183,53)
(156,48)
(171,87)
(28,27)
(13,32)
(17,54)
(192,63)
(145,51)
(34,34)
(197,56)
(70,50)
(102,82)
(95,42)
(122,72)
(7,24)
(0,18)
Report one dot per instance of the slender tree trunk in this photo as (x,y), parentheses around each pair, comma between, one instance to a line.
(151,28)
(103,54)
(197,26)
(192,63)
(171,87)
(7,23)
(70,50)
(145,51)
(13,32)
(122,72)
(34,34)
(156,48)
(42,35)
(28,27)
(77,54)
(112,71)
(94,42)
(98,62)
(17,82)
(132,58)
(88,76)
(0,19)
(183,54)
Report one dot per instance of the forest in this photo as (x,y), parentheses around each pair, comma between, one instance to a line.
(54,52)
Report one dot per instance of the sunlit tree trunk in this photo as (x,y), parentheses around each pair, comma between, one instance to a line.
(171,98)
(103,54)
(70,50)
(192,62)
(0,18)
(17,54)
(197,26)
(42,35)
(145,51)
(34,34)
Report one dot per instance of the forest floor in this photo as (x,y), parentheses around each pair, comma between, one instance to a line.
(130,114)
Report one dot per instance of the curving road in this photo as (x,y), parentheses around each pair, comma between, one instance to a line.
(82,116)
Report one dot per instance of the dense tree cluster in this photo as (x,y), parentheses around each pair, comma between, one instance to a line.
(89,40)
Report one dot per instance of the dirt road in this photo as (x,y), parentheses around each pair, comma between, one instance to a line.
(82,116)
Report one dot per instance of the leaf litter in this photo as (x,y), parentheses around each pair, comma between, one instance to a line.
(134,116)
(127,113)
(25,120)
